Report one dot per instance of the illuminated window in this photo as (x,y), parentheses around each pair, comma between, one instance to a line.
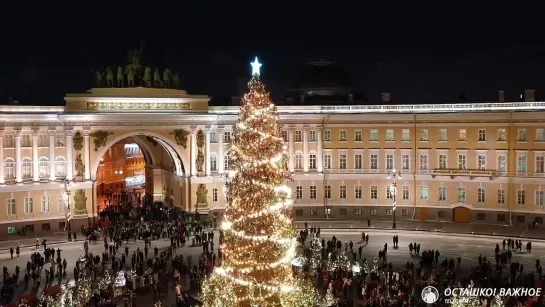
(424,135)
(390,137)
(374,135)
(342,135)
(462,135)
(482,135)
(502,135)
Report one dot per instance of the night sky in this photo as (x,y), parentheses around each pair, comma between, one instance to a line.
(418,54)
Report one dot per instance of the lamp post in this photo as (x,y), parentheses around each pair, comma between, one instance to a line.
(393,174)
(68,213)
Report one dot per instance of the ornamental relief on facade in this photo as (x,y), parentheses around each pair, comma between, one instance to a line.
(100,138)
(78,141)
(80,202)
(200,151)
(202,196)
(180,136)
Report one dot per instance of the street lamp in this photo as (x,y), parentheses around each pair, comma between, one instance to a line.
(68,213)
(393,174)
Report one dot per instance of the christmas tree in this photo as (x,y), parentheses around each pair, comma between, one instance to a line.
(259,241)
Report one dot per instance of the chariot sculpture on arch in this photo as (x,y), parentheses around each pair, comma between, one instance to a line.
(135,74)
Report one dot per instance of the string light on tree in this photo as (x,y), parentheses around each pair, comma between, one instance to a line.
(259,236)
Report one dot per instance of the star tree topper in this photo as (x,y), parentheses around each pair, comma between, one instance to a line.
(256,66)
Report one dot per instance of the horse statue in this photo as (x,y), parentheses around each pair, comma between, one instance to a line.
(110,77)
(98,77)
(130,76)
(177,81)
(120,77)
(157,78)
(147,77)
(166,77)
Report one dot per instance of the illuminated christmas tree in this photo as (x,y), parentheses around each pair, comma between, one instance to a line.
(259,241)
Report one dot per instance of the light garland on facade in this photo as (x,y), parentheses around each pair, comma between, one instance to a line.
(259,236)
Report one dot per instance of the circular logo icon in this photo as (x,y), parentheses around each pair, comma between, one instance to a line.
(430,295)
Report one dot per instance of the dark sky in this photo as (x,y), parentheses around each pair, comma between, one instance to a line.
(418,53)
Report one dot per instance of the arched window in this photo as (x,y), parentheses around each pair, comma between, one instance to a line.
(213,163)
(27,168)
(60,167)
(9,168)
(44,167)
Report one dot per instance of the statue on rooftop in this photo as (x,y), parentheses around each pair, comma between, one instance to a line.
(98,77)
(157,78)
(177,81)
(120,77)
(147,77)
(135,56)
(166,77)
(110,77)
(130,76)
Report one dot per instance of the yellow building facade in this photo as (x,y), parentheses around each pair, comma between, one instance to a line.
(457,162)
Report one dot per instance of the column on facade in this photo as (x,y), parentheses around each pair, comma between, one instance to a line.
(87,153)
(319,158)
(221,158)
(69,157)
(193,136)
(18,166)
(305,149)
(35,158)
(2,180)
(52,135)
(207,169)
(292,149)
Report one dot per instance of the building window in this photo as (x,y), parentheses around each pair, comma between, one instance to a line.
(313,212)
(342,161)
(442,161)
(540,164)
(298,136)
(389,192)
(357,136)
(424,135)
(213,137)
(61,206)
(390,135)
(328,211)
(358,211)
(27,168)
(502,163)
(342,192)
(441,214)
(9,168)
(213,163)
(424,192)
(59,140)
(540,198)
(462,195)
(406,161)
(26,141)
(45,204)
(312,161)
(388,212)
(327,192)
(481,217)
(501,196)
(312,192)
(389,161)
(9,141)
(405,135)
(357,192)
(462,161)
(521,163)
(442,193)
(482,135)
(42,140)
(298,162)
(423,161)
(373,212)
(226,162)
(10,204)
(443,136)
(60,167)
(374,161)
(481,162)
(227,136)
(327,161)
(522,136)
(358,161)
(481,195)
(342,135)
(29,205)
(327,135)
(299,192)
(285,136)
(502,135)
(540,135)
(312,136)
(43,167)
(404,212)
(374,192)
(462,135)
(214,195)
(406,192)
(521,197)
(373,137)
